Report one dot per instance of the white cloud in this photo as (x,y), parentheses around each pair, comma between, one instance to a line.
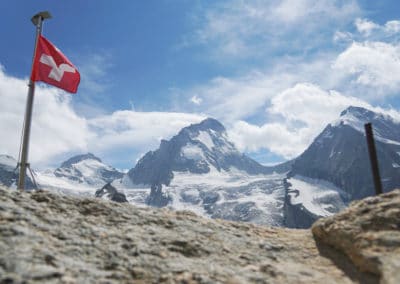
(136,130)
(370,29)
(241,29)
(365,26)
(342,37)
(239,98)
(301,114)
(55,126)
(196,100)
(374,64)
(58,131)
(392,27)
(295,11)
(94,68)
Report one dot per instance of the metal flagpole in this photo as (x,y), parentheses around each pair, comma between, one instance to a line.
(37,20)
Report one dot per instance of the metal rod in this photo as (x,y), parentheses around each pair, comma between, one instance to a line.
(28,112)
(373,158)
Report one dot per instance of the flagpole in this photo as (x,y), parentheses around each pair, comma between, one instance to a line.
(37,20)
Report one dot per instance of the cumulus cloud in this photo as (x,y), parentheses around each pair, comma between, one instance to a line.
(239,98)
(57,130)
(375,64)
(301,112)
(136,130)
(369,28)
(365,26)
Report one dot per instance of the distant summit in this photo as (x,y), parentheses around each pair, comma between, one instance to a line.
(88,169)
(199,149)
(79,158)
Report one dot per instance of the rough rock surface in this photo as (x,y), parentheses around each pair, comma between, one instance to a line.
(45,237)
(368,232)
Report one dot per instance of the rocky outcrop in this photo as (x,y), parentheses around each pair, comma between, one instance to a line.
(45,237)
(111,193)
(368,232)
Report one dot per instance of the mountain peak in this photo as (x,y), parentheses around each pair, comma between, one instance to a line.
(197,149)
(87,168)
(78,158)
(359,113)
(209,123)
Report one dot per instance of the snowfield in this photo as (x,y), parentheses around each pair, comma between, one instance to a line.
(319,197)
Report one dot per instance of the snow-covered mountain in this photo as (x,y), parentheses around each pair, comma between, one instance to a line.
(201,170)
(8,175)
(87,169)
(81,174)
(335,168)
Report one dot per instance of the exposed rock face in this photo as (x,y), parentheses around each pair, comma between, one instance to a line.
(46,237)
(201,170)
(111,193)
(368,232)
(340,155)
(195,149)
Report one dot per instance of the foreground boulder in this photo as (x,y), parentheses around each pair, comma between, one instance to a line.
(368,232)
(45,237)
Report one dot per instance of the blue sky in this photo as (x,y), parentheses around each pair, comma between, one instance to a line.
(274,72)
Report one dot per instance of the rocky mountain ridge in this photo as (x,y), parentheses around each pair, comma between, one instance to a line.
(338,162)
(196,149)
(47,237)
(201,170)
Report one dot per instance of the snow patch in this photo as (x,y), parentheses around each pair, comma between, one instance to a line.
(205,138)
(315,195)
(193,152)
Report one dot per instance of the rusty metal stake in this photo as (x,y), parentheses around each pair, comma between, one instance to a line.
(373,158)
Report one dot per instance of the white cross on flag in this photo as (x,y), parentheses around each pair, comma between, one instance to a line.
(53,67)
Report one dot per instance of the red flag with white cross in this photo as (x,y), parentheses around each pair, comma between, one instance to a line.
(53,67)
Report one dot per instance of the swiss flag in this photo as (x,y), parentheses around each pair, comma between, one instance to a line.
(53,67)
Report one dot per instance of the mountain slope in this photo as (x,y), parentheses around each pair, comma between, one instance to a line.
(81,174)
(8,174)
(339,155)
(87,169)
(201,170)
(197,149)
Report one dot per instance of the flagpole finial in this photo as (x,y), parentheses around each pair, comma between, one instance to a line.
(43,15)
